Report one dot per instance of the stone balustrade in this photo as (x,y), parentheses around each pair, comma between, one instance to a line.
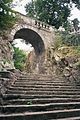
(41,25)
(33,22)
(37,23)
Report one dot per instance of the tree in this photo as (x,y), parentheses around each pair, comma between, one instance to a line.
(76,24)
(70,39)
(53,12)
(68,26)
(6,19)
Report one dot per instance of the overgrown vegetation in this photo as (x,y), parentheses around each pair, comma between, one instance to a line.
(20,58)
(7,19)
(70,39)
(67,44)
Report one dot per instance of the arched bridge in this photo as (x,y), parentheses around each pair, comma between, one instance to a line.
(40,35)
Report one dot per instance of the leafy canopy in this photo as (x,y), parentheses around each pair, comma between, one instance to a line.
(6,19)
(53,12)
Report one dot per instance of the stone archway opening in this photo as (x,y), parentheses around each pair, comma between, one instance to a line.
(37,55)
(31,37)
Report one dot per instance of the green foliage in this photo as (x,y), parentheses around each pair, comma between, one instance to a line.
(68,26)
(77,49)
(67,43)
(29,102)
(6,20)
(19,59)
(76,24)
(70,39)
(70,36)
(53,12)
(58,40)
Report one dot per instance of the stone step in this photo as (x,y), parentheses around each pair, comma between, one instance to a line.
(42,89)
(40,76)
(43,92)
(45,86)
(39,79)
(38,107)
(24,96)
(42,79)
(39,83)
(41,97)
(69,118)
(46,115)
(40,101)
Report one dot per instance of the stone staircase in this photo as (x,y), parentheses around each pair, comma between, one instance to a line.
(41,97)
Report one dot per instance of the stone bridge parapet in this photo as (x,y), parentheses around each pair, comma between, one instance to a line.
(34,22)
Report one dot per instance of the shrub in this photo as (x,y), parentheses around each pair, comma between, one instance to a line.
(19,58)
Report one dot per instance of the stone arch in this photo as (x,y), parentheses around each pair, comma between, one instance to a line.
(32,37)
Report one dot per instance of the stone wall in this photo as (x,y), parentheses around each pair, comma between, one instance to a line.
(6,52)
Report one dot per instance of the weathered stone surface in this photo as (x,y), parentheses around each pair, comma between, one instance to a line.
(6,54)
(35,32)
(44,59)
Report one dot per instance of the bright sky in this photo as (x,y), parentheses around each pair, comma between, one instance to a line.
(21,44)
(20,5)
(75,13)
